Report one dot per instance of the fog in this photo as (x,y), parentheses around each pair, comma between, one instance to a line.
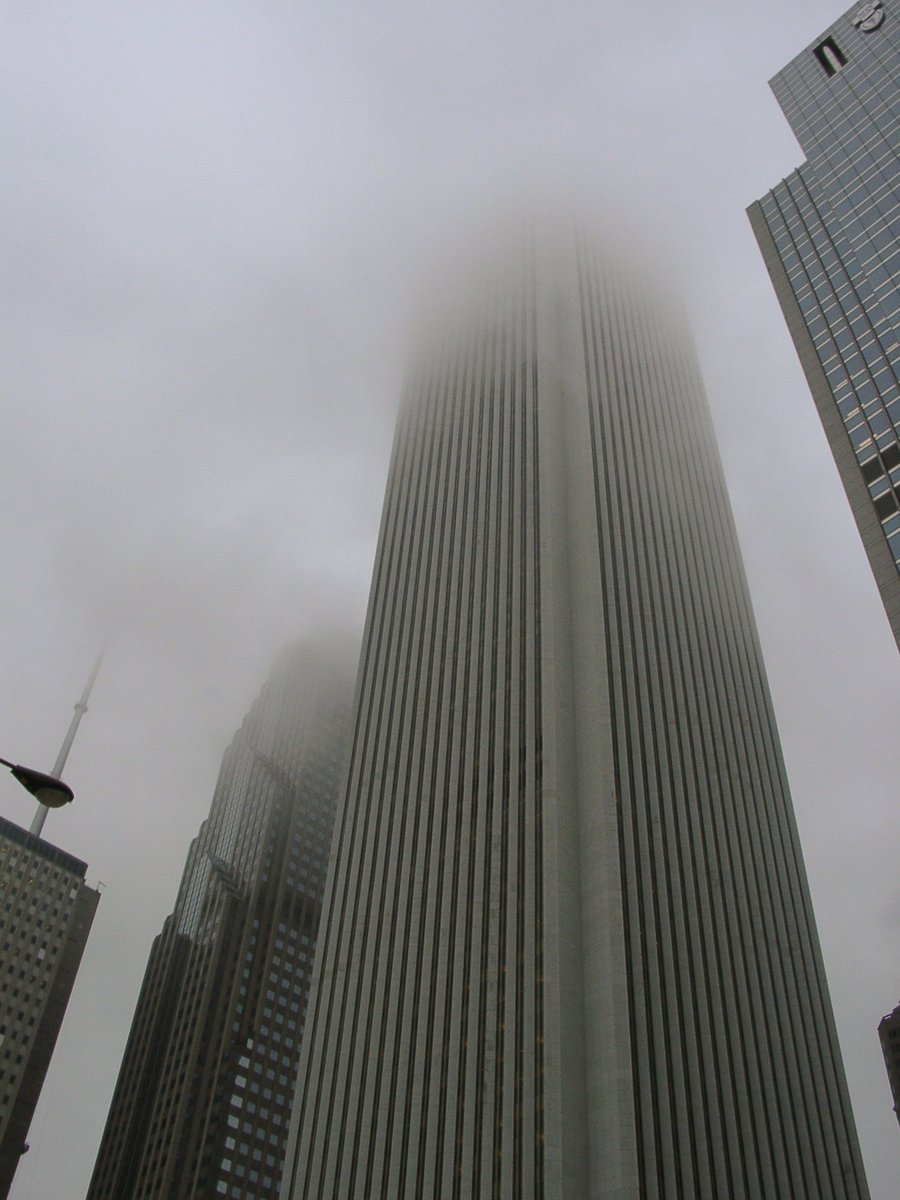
(215,221)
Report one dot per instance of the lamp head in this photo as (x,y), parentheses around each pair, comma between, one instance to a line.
(46,789)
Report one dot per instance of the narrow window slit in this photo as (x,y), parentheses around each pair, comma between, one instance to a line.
(830,55)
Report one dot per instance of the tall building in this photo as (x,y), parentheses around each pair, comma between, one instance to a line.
(889,1036)
(567,948)
(203,1097)
(46,912)
(830,237)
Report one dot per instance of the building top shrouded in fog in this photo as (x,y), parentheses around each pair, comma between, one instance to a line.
(567,947)
(203,1098)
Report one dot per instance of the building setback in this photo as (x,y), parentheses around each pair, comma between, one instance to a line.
(830,237)
(567,948)
(46,912)
(203,1097)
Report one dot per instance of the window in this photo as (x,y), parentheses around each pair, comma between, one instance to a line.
(830,55)
(885,506)
(872,470)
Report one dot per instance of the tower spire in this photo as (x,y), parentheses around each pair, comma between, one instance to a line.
(81,708)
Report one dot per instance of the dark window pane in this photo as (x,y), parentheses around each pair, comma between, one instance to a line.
(886,505)
(872,470)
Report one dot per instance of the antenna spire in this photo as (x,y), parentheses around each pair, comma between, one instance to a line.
(81,708)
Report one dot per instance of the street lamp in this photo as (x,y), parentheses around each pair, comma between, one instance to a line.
(49,790)
(46,789)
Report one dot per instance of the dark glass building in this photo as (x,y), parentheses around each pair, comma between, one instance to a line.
(46,913)
(830,237)
(889,1036)
(203,1097)
(567,949)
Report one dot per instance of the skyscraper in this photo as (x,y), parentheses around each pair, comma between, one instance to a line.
(46,912)
(567,948)
(889,1036)
(203,1097)
(830,237)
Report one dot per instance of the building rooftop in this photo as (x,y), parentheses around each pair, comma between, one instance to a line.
(15,833)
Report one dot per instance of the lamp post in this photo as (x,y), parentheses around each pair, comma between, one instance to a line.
(46,789)
(49,790)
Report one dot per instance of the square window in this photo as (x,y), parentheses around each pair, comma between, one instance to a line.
(886,506)
(872,470)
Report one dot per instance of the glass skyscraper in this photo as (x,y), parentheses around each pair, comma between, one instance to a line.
(202,1102)
(567,950)
(889,1035)
(830,237)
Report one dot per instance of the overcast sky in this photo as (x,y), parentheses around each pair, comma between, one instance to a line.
(212,219)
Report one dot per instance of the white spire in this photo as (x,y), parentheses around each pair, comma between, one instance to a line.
(80,709)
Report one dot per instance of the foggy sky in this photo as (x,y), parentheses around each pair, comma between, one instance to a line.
(212,221)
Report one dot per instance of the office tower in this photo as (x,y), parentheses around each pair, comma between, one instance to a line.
(830,237)
(889,1036)
(203,1097)
(46,912)
(567,948)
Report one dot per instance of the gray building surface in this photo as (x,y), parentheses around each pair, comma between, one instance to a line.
(46,913)
(830,237)
(889,1036)
(203,1097)
(567,949)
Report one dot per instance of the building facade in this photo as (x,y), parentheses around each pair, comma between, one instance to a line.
(203,1097)
(889,1036)
(830,237)
(46,913)
(567,949)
